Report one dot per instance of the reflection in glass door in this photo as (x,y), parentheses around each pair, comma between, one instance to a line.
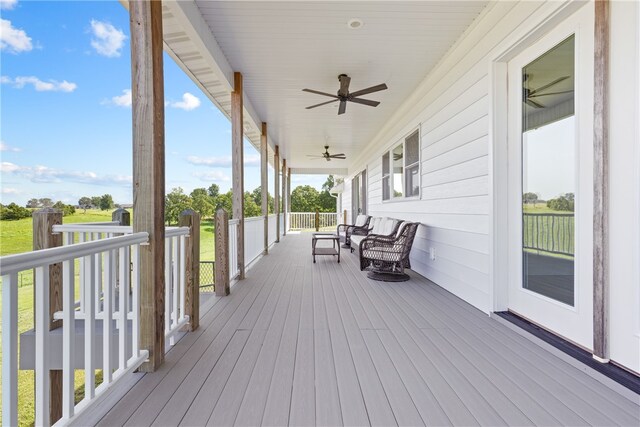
(548,173)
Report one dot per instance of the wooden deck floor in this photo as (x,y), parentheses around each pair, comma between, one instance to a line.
(302,344)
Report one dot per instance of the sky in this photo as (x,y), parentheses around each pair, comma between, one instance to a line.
(65,118)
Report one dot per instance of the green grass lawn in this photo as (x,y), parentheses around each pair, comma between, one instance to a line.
(16,237)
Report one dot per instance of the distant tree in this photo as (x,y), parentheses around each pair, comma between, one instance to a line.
(251,208)
(256,195)
(304,198)
(225,201)
(95,202)
(175,202)
(85,203)
(201,202)
(66,209)
(530,198)
(46,202)
(329,183)
(13,212)
(33,203)
(106,202)
(566,202)
(213,190)
(326,202)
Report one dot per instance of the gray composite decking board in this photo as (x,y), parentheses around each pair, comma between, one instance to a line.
(592,398)
(302,411)
(193,383)
(354,411)
(320,344)
(226,409)
(376,401)
(400,341)
(255,397)
(277,407)
(400,400)
(198,364)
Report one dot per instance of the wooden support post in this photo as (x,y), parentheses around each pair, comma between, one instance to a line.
(289,190)
(601,184)
(276,196)
(190,218)
(147,87)
(344,216)
(264,184)
(284,196)
(122,216)
(317,219)
(221,282)
(237,158)
(44,238)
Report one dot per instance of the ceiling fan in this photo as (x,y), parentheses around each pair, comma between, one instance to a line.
(328,156)
(534,93)
(344,96)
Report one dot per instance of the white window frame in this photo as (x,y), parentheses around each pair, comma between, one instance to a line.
(402,142)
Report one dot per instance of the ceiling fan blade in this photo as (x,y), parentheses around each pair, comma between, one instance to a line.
(371,89)
(551,93)
(315,156)
(533,104)
(365,102)
(344,85)
(338,158)
(343,107)
(548,85)
(321,104)
(337,155)
(317,92)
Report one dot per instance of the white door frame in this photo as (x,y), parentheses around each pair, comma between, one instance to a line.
(561,20)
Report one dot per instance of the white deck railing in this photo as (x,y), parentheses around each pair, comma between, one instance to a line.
(233,249)
(119,304)
(272,228)
(307,220)
(175,268)
(253,238)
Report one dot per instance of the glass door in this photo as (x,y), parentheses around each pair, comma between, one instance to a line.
(550,183)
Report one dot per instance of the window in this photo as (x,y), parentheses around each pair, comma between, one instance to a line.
(401,169)
(385,177)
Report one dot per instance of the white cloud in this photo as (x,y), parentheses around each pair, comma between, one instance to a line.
(7,190)
(5,147)
(8,4)
(107,40)
(12,39)
(123,100)
(44,174)
(222,161)
(189,102)
(40,85)
(212,176)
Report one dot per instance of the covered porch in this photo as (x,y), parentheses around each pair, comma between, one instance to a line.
(298,343)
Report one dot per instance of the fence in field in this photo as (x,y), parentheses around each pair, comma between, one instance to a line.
(549,232)
(307,220)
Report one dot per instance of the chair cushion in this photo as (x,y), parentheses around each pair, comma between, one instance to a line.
(379,225)
(355,240)
(381,253)
(361,220)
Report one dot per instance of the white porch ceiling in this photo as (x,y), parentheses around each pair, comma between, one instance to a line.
(283,47)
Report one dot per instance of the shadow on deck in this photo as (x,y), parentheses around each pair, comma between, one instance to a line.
(299,343)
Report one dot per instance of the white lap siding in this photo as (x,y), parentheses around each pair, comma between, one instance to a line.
(452,109)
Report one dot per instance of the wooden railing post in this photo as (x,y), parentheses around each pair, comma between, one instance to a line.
(344,217)
(221,282)
(122,216)
(190,218)
(44,238)
(317,219)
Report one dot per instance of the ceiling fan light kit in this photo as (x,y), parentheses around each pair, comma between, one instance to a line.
(345,96)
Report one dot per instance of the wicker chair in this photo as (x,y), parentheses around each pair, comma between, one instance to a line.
(360,227)
(387,257)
